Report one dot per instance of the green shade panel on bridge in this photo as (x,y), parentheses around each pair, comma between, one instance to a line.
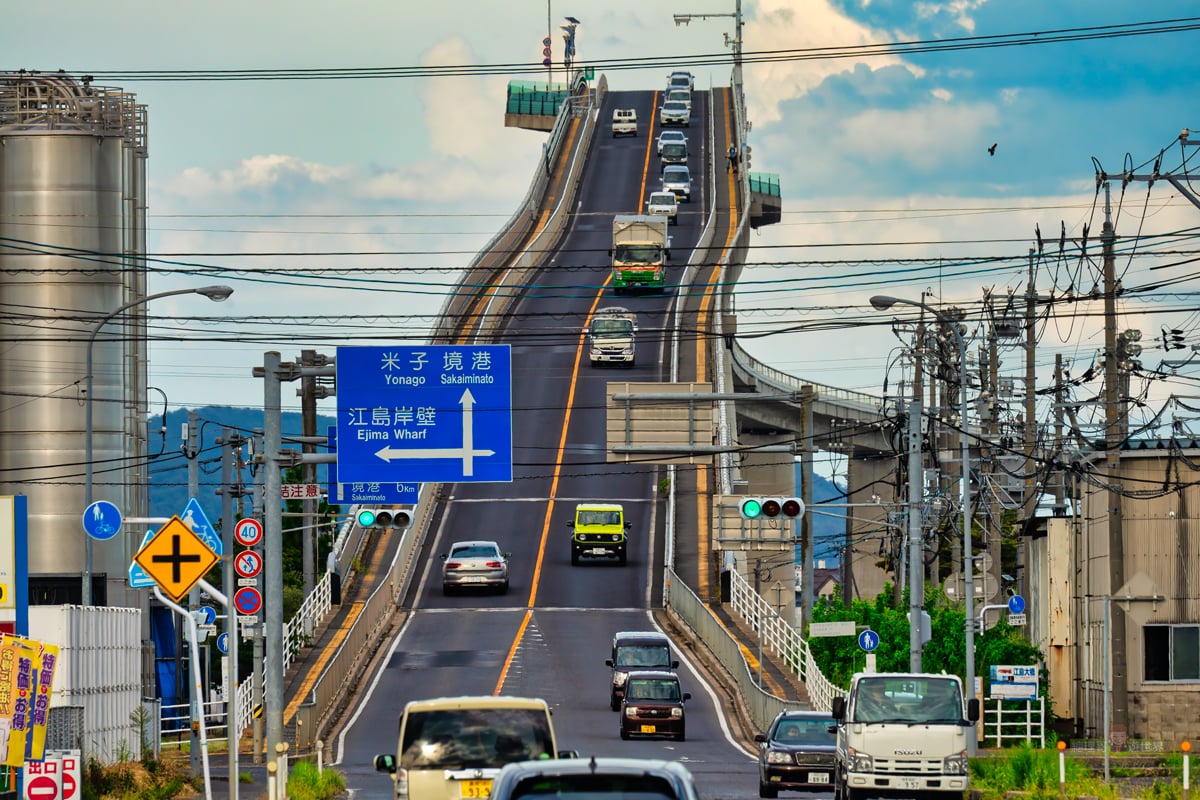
(528,97)
(766,183)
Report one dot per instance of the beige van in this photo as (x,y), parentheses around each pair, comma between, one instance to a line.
(451,747)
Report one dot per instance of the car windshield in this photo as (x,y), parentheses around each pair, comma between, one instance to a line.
(595,787)
(663,198)
(660,689)
(674,105)
(474,738)
(676,176)
(908,700)
(602,517)
(672,136)
(643,655)
(611,328)
(633,254)
(805,731)
(474,551)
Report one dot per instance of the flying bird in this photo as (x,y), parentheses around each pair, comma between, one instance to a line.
(992,150)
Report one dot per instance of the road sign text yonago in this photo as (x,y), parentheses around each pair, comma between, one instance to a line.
(439,413)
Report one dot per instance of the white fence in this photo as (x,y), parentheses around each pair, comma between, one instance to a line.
(1015,720)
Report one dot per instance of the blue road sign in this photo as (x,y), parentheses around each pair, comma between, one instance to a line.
(367,492)
(102,520)
(416,413)
(868,640)
(138,577)
(223,644)
(194,517)
(1016,604)
(208,615)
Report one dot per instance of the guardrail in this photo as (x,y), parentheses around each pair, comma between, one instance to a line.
(786,382)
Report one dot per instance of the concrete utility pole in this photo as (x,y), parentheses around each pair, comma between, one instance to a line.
(308,471)
(191,451)
(807,396)
(1113,439)
(916,574)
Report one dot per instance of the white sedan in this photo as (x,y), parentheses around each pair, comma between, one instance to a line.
(667,137)
(664,203)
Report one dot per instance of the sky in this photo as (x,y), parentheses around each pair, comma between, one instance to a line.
(888,182)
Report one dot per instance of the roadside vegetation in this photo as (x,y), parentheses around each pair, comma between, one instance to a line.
(1035,771)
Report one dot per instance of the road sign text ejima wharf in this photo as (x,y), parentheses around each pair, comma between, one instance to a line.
(437,413)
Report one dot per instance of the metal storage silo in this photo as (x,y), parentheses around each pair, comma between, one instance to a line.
(72,241)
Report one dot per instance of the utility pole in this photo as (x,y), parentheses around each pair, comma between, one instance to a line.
(916,575)
(191,452)
(308,470)
(1029,500)
(1113,430)
(807,396)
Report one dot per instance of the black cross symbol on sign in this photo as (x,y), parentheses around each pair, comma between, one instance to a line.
(176,558)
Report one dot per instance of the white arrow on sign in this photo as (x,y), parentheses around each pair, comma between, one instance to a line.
(466,453)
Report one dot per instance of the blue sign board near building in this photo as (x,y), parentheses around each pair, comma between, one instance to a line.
(102,520)
(415,413)
(367,491)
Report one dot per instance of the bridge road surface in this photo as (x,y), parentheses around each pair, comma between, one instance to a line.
(549,636)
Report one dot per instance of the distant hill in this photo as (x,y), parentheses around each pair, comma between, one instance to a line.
(168,470)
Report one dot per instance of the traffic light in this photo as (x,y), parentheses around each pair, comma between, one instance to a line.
(771,507)
(380,519)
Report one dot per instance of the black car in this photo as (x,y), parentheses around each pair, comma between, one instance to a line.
(797,753)
(601,778)
(636,650)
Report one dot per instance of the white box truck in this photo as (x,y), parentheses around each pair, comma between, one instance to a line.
(903,735)
(640,249)
(611,337)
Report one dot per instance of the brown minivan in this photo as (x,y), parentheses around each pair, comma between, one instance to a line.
(653,705)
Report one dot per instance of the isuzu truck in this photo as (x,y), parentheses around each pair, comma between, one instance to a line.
(903,735)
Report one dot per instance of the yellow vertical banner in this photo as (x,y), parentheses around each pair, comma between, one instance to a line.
(9,649)
(40,709)
(20,667)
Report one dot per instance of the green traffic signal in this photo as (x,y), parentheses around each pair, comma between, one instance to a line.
(366,517)
(751,508)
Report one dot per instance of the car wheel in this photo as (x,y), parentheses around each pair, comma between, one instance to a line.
(574,558)
(681,736)
(767,791)
(621,558)
(504,588)
(447,589)
(614,704)
(624,733)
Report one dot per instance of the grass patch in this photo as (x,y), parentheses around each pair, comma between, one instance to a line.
(305,783)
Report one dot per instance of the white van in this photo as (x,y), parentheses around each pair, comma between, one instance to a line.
(624,122)
(451,747)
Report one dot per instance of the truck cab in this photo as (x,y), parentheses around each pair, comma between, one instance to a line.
(598,531)
(611,337)
(903,735)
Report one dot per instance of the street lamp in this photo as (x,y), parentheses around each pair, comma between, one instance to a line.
(214,293)
(882,302)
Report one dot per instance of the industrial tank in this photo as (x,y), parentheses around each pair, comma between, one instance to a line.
(72,242)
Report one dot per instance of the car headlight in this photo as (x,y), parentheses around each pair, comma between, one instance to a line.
(631,711)
(860,762)
(778,757)
(676,713)
(957,764)
(620,678)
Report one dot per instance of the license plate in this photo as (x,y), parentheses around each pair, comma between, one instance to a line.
(818,777)
(474,579)
(478,789)
(908,783)
(648,729)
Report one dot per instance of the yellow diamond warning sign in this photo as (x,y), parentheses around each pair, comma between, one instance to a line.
(176,558)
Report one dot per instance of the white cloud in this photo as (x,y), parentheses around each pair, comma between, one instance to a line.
(924,136)
(782,25)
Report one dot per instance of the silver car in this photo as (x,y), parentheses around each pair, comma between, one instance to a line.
(677,179)
(478,563)
(671,137)
(664,203)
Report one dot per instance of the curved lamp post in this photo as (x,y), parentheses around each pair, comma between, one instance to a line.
(215,293)
(881,302)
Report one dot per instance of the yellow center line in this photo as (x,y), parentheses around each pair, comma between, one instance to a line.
(703,533)
(562,446)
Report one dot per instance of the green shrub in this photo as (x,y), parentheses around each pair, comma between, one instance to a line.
(305,783)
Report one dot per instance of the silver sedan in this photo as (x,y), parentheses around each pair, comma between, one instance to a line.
(476,563)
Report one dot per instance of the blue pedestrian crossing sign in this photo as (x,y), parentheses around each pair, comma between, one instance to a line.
(102,520)
(138,577)
(1016,604)
(868,640)
(194,517)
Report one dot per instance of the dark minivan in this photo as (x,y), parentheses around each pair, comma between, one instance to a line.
(675,153)
(636,650)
